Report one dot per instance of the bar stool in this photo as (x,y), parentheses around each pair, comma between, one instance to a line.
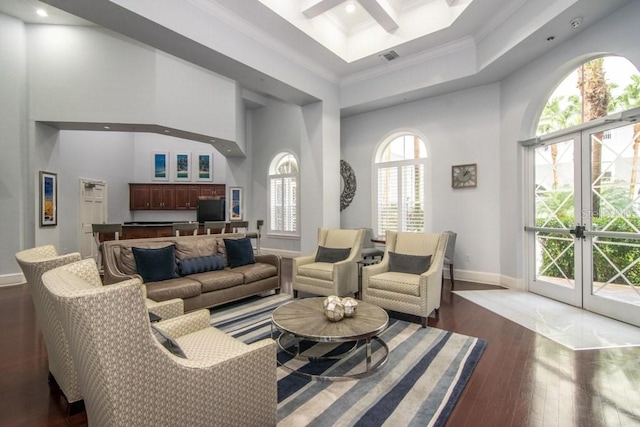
(256,234)
(215,227)
(104,229)
(235,225)
(186,227)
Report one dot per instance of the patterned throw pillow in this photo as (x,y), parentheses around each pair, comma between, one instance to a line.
(412,264)
(155,265)
(332,254)
(239,252)
(200,264)
(168,342)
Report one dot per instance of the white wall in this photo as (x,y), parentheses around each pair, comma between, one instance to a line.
(14,176)
(460,127)
(88,74)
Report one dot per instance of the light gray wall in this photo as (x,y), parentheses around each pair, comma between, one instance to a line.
(274,128)
(14,176)
(88,74)
(460,127)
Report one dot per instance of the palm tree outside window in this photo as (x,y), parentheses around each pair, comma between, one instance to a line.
(283,194)
(399,196)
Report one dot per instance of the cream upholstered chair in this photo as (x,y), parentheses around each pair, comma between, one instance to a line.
(37,261)
(390,286)
(129,379)
(314,275)
(34,263)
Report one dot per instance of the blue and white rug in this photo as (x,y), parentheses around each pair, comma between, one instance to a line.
(419,385)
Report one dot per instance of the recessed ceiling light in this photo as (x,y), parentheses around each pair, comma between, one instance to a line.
(212,140)
(167,131)
(42,12)
(107,127)
(350,8)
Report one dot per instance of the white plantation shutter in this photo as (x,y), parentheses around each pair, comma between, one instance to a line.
(387,199)
(400,195)
(283,195)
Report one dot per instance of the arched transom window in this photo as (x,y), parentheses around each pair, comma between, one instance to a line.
(399,196)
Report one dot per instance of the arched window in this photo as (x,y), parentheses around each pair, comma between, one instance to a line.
(283,194)
(595,89)
(399,196)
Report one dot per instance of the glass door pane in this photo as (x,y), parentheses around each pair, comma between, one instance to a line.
(555,210)
(612,263)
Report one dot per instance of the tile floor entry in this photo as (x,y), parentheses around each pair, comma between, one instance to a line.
(570,326)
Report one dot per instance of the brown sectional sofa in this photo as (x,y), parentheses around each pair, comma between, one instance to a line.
(199,290)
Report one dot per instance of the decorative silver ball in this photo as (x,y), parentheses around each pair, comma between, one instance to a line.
(329,299)
(334,311)
(350,306)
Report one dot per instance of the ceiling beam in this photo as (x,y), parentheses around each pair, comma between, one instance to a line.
(321,7)
(380,14)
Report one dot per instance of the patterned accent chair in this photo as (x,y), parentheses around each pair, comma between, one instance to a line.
(34,263)
(416,294)
(128,378)
(330,278)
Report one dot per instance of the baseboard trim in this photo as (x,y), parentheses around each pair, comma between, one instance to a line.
(487,278)
(12,279)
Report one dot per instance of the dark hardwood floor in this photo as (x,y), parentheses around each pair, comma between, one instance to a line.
(522,379)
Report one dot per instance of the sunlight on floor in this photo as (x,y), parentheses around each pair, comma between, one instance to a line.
(570,326)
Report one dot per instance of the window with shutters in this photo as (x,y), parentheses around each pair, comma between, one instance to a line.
(399,171)
(283,195)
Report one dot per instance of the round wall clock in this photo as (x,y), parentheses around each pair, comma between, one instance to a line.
(464,176)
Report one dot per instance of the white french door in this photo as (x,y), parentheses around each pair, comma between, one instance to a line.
(583,231)
(93,210)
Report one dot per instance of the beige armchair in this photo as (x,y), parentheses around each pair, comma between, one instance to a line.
(128,378)
(416,294)
(37,261)
(329,278)
(34,263)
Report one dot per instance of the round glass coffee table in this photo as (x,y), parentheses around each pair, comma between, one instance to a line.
(304,320)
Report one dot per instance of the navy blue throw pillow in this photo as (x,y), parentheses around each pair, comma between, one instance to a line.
(200,264)
(155,265)
(239,252)
(332,254)
(412,264)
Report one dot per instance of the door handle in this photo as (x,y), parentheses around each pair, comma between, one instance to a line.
(578,232)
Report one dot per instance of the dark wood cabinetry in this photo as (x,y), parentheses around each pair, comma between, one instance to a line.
(171,196)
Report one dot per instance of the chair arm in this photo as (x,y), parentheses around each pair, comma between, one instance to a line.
(269,259)
(238,389)
(166,309)
(185,324)
(302,260)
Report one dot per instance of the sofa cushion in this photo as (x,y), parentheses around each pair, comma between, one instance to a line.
(411,264)
(127,261)
(155,264)
(219,279)
(200,264)
(317,270)
(400,283)
(332,254)
(258,271)
(193,248)
(182,287)
(239,252)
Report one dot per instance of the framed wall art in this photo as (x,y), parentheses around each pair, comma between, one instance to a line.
(204,171)
(48,199)
(235,203)
(182,168)
(160,166)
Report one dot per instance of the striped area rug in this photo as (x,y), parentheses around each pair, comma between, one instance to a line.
(419,385)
